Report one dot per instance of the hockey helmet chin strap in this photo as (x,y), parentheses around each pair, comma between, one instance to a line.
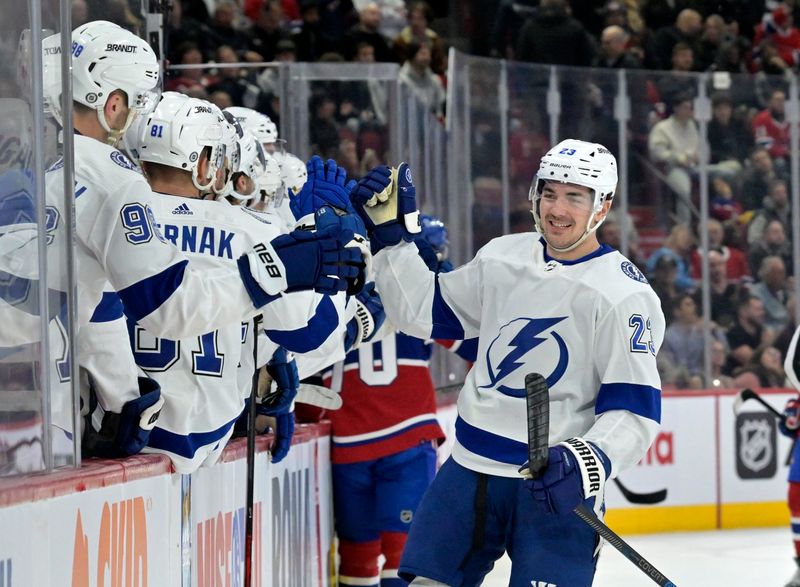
(114,134)
(586,233)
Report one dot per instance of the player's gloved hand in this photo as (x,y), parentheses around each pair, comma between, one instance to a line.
(325,187)
(300,260)
(284,430)
(126,433)
(283,370)
(329,218)
(576,471)
(369,317)
(391,214)
(789,424)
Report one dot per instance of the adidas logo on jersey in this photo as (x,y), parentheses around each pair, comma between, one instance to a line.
(182,209)
(535,583)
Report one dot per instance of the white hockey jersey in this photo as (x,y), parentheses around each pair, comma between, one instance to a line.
(199,374)
(591,327)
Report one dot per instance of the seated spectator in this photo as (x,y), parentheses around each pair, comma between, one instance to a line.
(553,36)
(725,295)
(711,41)
(368,31)
(678,246)
(767,365)
(675,143)
(771,129)
(224,32)
(772,243)
(419,16)
(324,133)
(747,334)
(778,28)
(723,206)
(268,30)
(614,52)
(394,15)
(687,29)
(729,140)
(260,95)
(784,338)
(719,353)
(776,206)
(757,177)
(221,99)
(610,233)
(189,79)
(662,280)
(229,79)
(771,290)
(677,85)
(736,266)
(417,74)
(684,346)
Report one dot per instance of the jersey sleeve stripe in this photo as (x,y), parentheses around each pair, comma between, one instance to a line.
(186,445)
(489,445)
(445,321)
(642,400)
(109,308)
(311,336)
(145,296)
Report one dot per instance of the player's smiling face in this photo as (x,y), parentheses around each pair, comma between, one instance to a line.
(564,209)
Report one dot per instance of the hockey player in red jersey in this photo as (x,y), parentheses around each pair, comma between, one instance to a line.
(384,439)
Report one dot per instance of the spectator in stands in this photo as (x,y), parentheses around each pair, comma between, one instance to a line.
(747,334)
(757,178)
(675,143)
(776,206)
(725,295)
(677,85)
(778,28)
(678,245)
(189,80)
(268,30)
(419,16)
(393,15)
(772,243)
(719,353)
(263,94)
(370,97)
(784,338)
(711,42)
(766,364)
(308,39)
(613,52)
(221,98)
(367,31)
(771,290)
(553,36)
(610,233)
(510,17)
(687,28)
(681,355)
(223,31)
(729,140)
(723,206)
(662,280)
(324,131)
(736,265)
(417,74)
(229,79)
(771,129)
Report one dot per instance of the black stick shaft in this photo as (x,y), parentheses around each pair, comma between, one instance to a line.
(538,406)
(750,394)
(251,462)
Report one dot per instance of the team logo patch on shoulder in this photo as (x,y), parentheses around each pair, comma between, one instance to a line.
(123,161)
(633,272)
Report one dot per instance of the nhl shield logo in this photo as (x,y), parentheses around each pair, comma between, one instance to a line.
(755,446)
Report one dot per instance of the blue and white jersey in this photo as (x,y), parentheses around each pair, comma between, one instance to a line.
(591,327)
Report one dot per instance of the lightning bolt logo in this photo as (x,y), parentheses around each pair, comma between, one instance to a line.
(526,339)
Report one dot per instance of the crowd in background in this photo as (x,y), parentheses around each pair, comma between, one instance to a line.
(750,47)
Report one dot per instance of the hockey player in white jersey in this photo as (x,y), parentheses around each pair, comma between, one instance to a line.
(555,302)
(118,245)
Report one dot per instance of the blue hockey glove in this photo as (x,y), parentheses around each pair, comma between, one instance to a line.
(368,319)
(283,370)
(576,471)
(126,433)
(391,214)
(325,187)
(284,430)
(789,424)
(301,260)
(328,218)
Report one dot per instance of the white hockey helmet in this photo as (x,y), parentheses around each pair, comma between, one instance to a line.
(259,124)
(132,139)
(270,183)
(581,163)
(178,131)
(252,163)
(293,173)
(232,133)
(106,57)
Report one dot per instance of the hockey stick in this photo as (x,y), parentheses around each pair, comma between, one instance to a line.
(317,395)
(251,462)
(641,498)
(747,394)
(538,406)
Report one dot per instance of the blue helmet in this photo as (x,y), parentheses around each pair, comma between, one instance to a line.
(435,233)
